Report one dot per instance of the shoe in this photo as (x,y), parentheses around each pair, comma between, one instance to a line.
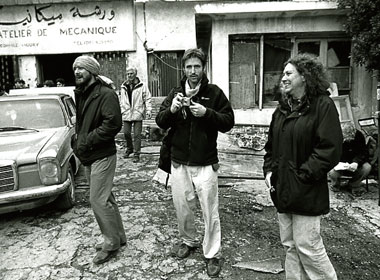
(184,251)
(335,188)
(357,192)
(104,256)
(213,267)
(127,154)
(136,159)
(99,246)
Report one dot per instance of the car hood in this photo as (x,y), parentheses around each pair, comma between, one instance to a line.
(24,146)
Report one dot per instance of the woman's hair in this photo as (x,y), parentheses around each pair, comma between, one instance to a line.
(194,53)
(313,71)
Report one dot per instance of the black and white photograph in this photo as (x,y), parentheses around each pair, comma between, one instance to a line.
(189,139)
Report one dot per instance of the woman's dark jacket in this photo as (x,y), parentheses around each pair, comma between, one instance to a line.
(302,147)
(98,121)
(194,139)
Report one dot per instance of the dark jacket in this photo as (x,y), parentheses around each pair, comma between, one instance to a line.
(97,123)
(193,140)
(355,150)
(302,147)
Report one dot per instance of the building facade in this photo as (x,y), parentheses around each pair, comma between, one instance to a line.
(247,43)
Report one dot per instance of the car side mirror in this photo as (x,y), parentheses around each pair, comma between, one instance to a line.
(73,119)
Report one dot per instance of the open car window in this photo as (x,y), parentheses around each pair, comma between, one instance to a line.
(32,113)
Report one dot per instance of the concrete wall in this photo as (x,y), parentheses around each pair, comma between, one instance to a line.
(165,27)
(28,70)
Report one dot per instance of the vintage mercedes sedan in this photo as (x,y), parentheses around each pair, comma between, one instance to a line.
(37,164)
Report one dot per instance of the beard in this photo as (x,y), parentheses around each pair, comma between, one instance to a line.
(82,80)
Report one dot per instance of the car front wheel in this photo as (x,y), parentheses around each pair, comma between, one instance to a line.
(67,199)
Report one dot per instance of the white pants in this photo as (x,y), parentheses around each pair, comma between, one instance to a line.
(205,181)
(306,257)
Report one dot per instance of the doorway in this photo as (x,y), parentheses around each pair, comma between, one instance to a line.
(51,67)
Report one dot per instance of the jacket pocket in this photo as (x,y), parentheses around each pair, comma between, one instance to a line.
(81,145)
(297,191)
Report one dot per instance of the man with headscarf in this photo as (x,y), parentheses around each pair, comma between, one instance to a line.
(353,162)
(98,121)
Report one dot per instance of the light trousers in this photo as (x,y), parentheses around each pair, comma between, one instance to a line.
(135,144)
(100,177)
(306,257)
(357,176)
(186,180)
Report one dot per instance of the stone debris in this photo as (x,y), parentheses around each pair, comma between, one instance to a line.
(272,265)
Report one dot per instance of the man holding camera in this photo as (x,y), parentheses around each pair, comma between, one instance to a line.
(195,112)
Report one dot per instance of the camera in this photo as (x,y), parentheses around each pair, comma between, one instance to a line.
(185,101)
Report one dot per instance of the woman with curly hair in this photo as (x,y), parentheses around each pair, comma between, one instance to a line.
(304,144)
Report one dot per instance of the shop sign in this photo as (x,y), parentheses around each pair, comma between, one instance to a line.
(67,28)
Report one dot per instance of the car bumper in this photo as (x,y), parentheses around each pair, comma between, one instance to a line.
(33,193)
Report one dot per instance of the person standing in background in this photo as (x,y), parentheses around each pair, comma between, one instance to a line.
(195,112)
(49,83)
(304,144)
(19,83)
(136,105)
(60,82)
(98,122)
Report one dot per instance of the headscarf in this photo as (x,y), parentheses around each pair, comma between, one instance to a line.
(89,63)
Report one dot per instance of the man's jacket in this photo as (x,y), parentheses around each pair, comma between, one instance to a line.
(194,139)
(141,102)
(355,150)
(97,123)
(302,147)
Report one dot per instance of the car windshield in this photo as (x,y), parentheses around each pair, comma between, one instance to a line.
(30,114)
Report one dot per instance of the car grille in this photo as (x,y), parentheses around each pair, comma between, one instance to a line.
(7,181)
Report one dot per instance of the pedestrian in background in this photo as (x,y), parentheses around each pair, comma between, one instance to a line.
(98,122)
(195,112)
(49,83)
(19,83)
(60,82)
(304,144)
(135,102)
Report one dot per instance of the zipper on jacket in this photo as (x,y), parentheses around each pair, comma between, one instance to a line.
(190,134)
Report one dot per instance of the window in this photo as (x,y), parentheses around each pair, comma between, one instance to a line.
(335,56)
(257,61)
(164,72)
(276,53)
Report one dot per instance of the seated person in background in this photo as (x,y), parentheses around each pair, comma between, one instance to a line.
(354,160)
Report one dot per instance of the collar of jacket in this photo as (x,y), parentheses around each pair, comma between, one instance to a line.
(136,85)
(79,91)
(302,109)
(204,82)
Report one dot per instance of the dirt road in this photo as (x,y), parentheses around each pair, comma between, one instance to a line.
(46,244)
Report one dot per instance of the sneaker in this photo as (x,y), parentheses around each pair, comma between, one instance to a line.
(127,154)
(136,159)
(184,251)
(104,256)
(213,267)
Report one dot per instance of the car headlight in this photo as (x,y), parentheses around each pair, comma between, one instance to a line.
(50,171)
